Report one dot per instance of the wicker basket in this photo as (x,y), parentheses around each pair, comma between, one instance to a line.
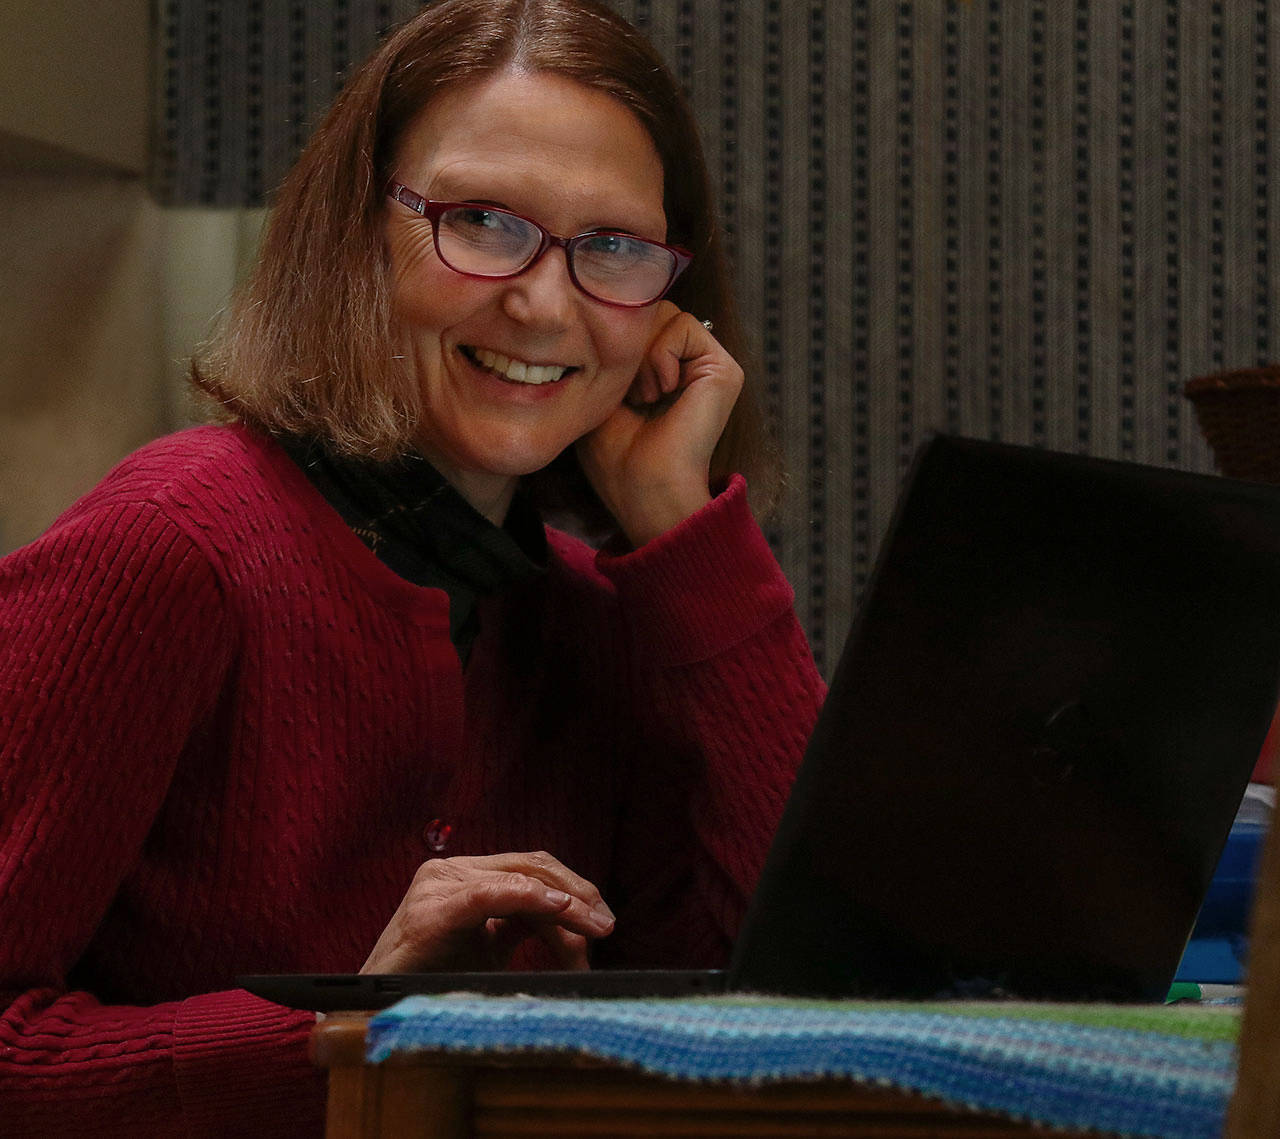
(1239,413)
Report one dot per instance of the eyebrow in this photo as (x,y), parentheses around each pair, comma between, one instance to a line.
(452,186)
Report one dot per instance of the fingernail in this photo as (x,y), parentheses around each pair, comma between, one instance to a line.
(604,911)
(602,922)
(557,897)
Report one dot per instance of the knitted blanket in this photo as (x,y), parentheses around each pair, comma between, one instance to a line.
(1163,1071)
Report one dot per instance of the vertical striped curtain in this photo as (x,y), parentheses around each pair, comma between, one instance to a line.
(1029,220)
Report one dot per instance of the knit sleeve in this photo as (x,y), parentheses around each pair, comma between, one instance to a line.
(726,695)
(114,642)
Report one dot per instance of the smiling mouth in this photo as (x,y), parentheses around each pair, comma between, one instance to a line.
(515,371)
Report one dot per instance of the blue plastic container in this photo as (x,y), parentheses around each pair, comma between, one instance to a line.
(1217,951)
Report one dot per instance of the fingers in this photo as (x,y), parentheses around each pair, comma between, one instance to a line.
(537,865)
(568,949)
(649,462)
(682,351)
(471,912)
(646,389)
(491,893)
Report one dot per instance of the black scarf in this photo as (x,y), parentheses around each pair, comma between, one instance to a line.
(419,526)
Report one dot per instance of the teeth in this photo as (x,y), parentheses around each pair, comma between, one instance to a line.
(518,370)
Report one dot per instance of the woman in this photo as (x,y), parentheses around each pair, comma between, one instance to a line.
(315,690)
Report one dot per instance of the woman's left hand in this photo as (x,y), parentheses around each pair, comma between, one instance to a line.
(649,461)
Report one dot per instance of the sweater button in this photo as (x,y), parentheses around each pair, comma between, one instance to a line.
(437,834)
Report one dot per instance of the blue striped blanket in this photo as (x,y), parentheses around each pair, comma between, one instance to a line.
(1164,1071)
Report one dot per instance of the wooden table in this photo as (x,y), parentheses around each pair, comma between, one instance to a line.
(446,1096)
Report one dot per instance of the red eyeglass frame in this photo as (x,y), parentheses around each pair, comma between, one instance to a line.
(430,210)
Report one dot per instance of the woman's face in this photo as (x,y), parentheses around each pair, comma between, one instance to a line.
(572,159)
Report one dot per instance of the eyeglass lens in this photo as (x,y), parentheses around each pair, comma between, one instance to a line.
(609,266)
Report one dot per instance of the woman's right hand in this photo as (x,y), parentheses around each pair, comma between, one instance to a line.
(471,913)
(649,460)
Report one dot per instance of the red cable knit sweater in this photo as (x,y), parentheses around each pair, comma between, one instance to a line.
(229,735)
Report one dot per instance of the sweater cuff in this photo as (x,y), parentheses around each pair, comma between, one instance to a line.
(242,1063)
(703,586)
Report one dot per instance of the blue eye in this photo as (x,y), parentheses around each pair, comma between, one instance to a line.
(606,244)
(485,219)
(476,217)
(613,245)
(621,253)
(467,231)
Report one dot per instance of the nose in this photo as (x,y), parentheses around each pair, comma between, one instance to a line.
(543,296)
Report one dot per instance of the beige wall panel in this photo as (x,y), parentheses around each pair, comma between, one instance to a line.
(77,76)
(81,372)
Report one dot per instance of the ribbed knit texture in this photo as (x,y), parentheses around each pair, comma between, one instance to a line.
(226,730)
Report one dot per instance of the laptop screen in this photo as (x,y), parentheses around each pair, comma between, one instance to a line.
(1043,721)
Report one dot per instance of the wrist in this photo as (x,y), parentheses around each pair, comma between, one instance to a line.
(650,514)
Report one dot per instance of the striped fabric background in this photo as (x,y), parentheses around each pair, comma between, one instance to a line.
(1029,220)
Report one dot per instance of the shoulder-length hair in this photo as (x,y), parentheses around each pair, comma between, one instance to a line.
(307,344)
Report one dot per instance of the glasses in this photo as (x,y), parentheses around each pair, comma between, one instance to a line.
(485,241)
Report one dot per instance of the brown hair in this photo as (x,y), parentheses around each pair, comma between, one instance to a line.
(306,347)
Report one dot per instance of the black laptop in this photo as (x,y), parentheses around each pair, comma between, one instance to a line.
(1035,742)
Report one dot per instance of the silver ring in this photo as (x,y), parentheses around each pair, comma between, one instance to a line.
(707,325)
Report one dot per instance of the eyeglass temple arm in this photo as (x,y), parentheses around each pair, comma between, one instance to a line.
(407,197)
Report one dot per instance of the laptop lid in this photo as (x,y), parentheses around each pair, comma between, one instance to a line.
(1042,723)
